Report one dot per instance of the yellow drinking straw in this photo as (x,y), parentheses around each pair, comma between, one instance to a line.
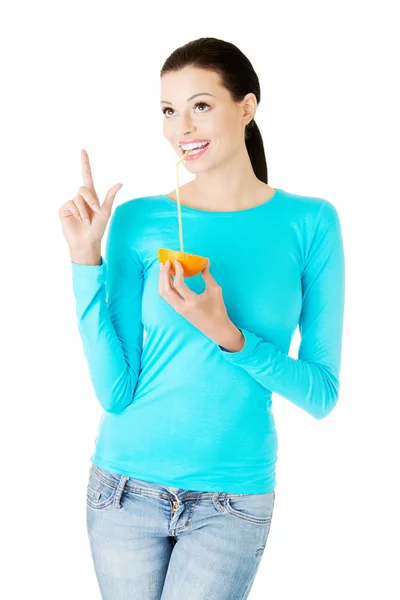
(178,197)
(192,263)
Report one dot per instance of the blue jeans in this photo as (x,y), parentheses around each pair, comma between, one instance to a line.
(151,542)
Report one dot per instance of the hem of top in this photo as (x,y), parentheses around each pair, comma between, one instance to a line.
(103,464)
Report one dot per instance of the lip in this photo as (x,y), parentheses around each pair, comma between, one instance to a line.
(192,141)
(191,156)
(182,151)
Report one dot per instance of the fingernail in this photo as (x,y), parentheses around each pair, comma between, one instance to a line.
(95,207)
(87,222)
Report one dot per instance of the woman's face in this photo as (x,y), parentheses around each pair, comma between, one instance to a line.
(197,107)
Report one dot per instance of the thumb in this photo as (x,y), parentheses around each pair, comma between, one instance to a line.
(110,197)
(206,273)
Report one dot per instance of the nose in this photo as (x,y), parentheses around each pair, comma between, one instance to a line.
(183,132)
(185,128)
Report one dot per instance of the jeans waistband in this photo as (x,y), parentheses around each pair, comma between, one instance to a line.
(122,482)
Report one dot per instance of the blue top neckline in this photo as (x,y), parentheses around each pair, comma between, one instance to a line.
(220,212)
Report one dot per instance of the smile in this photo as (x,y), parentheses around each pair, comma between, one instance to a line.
(195,154)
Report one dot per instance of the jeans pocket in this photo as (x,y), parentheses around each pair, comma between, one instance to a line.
(100,491)
(256,508)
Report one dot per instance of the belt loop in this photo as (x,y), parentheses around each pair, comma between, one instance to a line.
(217,497)
(119,491)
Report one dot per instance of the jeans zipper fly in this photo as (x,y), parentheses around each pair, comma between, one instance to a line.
(175,506)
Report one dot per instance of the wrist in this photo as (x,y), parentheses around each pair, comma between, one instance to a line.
(233,340)
(86,256)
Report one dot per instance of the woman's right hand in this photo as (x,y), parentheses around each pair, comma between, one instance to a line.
(80,234)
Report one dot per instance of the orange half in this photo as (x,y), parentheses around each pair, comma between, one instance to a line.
(192,263)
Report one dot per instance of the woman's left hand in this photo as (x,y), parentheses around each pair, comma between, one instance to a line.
(205,311)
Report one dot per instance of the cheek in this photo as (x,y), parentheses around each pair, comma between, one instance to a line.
(220,132)
(166,131)
(168,128)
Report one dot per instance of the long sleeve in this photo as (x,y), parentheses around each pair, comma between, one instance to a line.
(108,309)
(311,381)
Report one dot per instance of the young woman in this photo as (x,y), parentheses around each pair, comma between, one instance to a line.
(181,488)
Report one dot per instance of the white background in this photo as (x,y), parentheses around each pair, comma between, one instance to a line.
(86,75)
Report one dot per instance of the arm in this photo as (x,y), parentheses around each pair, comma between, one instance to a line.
(311,381)
(108,309)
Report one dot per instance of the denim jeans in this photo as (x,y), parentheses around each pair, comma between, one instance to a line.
(151,542)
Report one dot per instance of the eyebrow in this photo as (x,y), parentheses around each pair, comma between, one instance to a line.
(191,97)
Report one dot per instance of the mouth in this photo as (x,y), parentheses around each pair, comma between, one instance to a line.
(196,151)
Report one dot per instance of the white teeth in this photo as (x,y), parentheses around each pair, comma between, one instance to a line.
(193,145)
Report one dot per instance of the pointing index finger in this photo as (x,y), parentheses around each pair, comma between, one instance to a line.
(87,172)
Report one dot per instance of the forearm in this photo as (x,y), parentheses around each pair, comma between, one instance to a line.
(312,386)
(114,375)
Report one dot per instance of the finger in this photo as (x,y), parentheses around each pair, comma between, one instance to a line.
(74,210)
(110,197)
(179,283)
(170,277)
(167,290)
(82,207)
(165,280)
(90,199)
(87,172)
(209,280)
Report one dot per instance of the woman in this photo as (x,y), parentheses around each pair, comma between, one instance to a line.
(181,488)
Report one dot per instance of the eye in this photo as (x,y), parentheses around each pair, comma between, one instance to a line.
(164,110)
(201,103)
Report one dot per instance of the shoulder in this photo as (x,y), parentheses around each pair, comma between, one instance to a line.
(137,210)
(309,209)
(137,204)
(306,202)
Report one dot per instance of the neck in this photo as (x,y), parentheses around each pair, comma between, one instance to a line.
(227,187)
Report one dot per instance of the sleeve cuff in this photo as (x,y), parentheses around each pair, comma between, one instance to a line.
(89,271)
(250,342)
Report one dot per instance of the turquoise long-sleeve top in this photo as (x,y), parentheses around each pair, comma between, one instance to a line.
(178,409)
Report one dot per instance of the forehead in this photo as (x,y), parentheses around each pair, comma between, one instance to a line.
(180,85)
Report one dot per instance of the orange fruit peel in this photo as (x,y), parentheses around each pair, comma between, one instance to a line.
(192,264)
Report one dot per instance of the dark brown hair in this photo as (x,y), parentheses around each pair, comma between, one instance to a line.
(237,76)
